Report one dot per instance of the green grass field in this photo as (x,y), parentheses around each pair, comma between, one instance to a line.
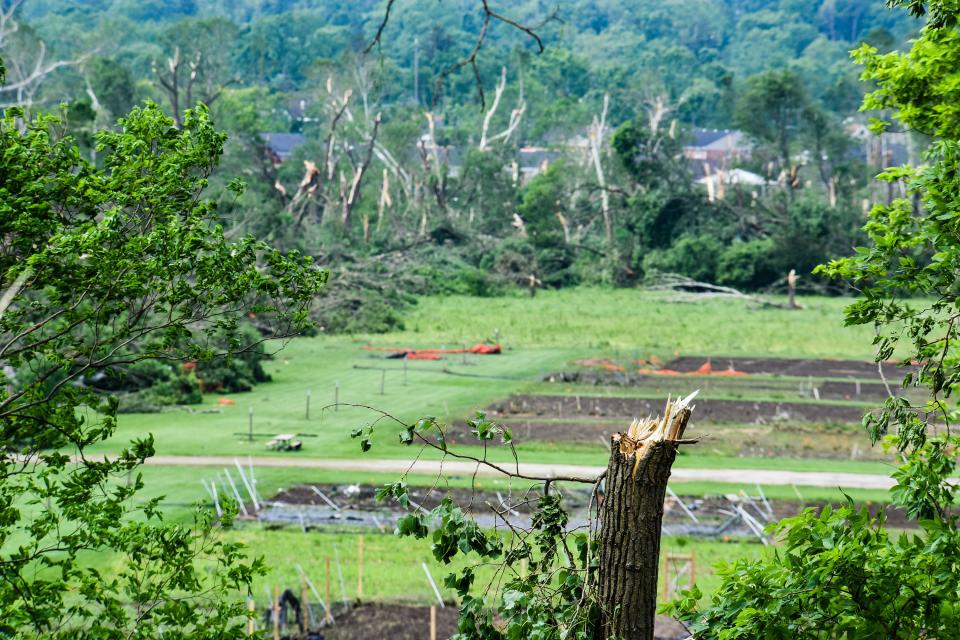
(539,335)
(392,568)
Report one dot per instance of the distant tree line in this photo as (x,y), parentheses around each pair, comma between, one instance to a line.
(575,167)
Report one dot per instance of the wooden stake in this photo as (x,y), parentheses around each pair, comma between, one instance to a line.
(383,380)
(336,396)
(327,592)
(360,568)
(276,613)
(433,622)
(250,425)
(304,609)
(252,620)
(308,404)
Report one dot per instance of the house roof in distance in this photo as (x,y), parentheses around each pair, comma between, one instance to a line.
(720,139)
(282,144)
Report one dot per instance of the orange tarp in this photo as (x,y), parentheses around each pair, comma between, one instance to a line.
(434,354)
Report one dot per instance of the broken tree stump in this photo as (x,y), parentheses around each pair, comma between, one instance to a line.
(630,521)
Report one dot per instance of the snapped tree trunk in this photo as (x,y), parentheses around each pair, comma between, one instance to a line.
(630,520)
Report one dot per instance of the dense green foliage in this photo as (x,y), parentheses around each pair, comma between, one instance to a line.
(434,205)
(840,574)
(116,269)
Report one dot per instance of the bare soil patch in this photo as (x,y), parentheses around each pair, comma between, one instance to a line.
(863,391)
(391,622)
(730,411)
(399,622)
(773,440)
(363,498)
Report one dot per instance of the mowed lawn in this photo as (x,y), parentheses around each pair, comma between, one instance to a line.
(607,320)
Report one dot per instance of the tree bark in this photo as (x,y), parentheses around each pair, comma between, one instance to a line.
(630,519)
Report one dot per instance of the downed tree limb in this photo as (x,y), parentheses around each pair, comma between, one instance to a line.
(690,290)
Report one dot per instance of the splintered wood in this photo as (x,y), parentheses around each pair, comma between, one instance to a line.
(643,434)
(631,518)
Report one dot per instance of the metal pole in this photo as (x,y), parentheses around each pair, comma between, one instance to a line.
(323,496)
(313,589)
(249,487)
(250,425)
(433,584)
(308,404)
(253,479)
(329,604)
(236,493)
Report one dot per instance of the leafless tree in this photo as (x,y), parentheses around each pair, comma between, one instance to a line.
(184,79)
(515,115)
(597,128)
(470,60)
(25,58)
(345,158)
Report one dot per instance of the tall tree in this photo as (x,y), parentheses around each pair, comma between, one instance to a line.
(769,109)
(840,573)
(199,64)
(103,268)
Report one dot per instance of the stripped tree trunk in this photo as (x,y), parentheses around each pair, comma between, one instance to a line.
(630,520)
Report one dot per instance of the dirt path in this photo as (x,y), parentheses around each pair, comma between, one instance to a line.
(460,468)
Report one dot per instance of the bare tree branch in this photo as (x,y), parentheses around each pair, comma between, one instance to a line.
(489,15)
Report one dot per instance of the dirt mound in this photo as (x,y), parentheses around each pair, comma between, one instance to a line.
(795,367)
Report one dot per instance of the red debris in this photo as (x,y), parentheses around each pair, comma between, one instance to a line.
(485,349)
(600,363)
(434,354)
(422,355)
(706,369)
(730,372)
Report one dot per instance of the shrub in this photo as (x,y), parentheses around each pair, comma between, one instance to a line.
(748,265)
(692,256)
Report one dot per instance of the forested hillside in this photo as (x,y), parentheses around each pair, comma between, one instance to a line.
(406,168)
